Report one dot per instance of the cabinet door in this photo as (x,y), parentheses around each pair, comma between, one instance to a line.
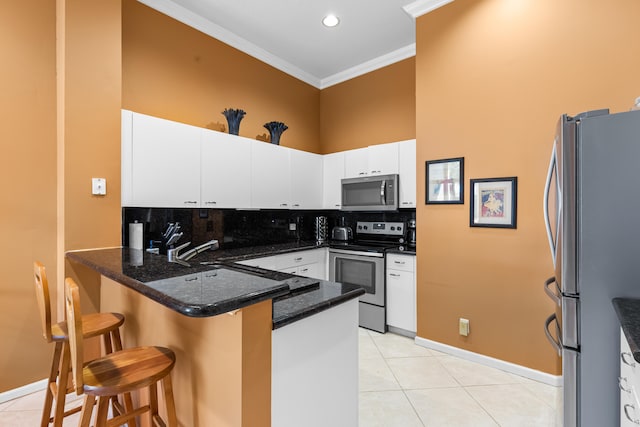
(270,176)
(407,171)
(333,172)
(225,170)
(356,163)
(165,163)
(382,159)
(306,180)
(401,292)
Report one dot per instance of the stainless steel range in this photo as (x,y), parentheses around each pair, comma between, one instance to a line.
(362,262)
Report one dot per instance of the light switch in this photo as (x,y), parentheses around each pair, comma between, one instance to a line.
(98,186)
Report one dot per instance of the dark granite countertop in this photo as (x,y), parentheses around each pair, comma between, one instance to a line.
(628,310)
(215,284)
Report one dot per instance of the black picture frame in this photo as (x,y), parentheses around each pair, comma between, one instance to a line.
(444,183)
(493,202)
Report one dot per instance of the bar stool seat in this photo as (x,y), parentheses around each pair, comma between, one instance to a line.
(117,373)
(105,325)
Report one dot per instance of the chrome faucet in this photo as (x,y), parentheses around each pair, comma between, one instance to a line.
(174,255)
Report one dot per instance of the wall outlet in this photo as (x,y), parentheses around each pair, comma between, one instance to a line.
(463,327)
(98,186)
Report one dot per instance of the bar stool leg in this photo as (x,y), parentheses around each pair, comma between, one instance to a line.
(167,387)
(63,378)
(87,410)
(53,375)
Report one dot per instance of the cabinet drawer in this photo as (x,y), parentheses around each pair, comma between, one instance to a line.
(295,259)
(401,262)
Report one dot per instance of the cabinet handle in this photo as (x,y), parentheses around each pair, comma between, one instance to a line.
(284,204)
(626,412)
(298,259)
(624,360)
(399,262)
(362,173)
(295,205)
(190,202)
(376,171)
(620,380)
(304,270)
(210,203)
(191,280)
(394,275)
(337,206)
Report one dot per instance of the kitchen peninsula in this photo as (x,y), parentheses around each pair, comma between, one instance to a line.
(254,347)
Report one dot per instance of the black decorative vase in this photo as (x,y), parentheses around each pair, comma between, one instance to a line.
(233,119)
(275,130)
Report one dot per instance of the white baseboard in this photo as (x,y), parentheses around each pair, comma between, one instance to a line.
(23,391)
(523,371)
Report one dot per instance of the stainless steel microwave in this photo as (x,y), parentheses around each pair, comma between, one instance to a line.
(370,193)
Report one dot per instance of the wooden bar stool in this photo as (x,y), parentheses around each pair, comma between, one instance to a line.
(117,373)
(98,324)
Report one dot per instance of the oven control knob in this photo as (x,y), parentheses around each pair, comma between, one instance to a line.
(393,228)
(399,228)
(359,227)
(366,227)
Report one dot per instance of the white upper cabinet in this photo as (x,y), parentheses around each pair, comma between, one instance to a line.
(270,176)
(381,159)
(356,163)
(162,170)
(225,165)
(306,180)
(407,170)
(174,165)
(332,174)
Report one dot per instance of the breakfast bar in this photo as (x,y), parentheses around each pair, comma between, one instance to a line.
(236,331)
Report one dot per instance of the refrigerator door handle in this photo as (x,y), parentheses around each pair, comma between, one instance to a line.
(555,297)
(547,188)
(553,342)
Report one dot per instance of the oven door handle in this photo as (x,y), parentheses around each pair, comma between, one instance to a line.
(356,253)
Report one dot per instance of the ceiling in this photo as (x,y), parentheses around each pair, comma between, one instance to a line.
(289,35)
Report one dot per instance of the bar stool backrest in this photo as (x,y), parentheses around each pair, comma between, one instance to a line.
(44,302)
(74,325)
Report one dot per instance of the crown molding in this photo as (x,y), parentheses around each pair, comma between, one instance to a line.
(422,7)
(367,67)
(207,27)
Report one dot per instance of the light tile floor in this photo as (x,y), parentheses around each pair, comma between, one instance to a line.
(405,385)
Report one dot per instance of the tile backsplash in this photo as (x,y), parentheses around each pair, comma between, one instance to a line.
(242,228)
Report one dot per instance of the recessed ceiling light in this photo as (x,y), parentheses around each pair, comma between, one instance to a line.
(330,21)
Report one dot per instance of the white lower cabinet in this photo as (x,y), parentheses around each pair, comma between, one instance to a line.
(629,382)
(314,365)
(401,292)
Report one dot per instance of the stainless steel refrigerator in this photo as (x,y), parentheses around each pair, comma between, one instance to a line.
(592,213)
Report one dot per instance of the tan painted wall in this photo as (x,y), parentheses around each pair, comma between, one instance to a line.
(28,176)
(372,109)
(492,78)
(178,73)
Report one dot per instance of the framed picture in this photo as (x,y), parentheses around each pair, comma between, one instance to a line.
(445,181)
(493,202)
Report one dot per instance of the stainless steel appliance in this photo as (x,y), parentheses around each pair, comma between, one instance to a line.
(362,263)
(341,233)
(370,193)
(411,233)
(591,207)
